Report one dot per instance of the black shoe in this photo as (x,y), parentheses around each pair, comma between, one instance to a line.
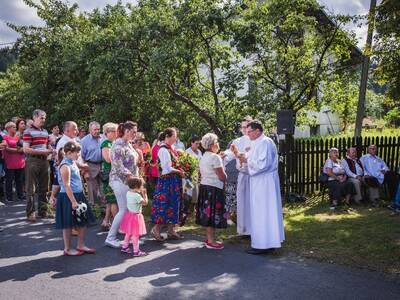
(255,251)
(245,236)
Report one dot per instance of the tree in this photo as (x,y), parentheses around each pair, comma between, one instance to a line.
(387,46)
(341,95)
(167,63)
(294,46)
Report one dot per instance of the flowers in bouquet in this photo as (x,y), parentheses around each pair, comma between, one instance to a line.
(189,165)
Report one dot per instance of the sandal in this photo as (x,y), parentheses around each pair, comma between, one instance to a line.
(126,249)
(105,227)
(140,253)
(157,237)
(174,236)
(77,253)
(87,250)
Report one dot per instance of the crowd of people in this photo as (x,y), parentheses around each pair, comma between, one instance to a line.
(112,165)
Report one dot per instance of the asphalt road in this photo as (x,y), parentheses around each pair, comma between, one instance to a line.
(32,267)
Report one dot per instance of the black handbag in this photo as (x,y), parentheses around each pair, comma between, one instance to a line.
(323,177)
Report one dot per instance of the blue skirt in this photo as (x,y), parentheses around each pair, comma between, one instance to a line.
(64,216)
(167,200)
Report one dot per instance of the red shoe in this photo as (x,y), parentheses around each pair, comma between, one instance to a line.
(87,250)
(216,242)
(214,246)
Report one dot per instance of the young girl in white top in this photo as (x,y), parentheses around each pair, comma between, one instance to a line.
(133,222)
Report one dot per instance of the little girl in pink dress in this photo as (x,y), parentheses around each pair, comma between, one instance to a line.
(133,222)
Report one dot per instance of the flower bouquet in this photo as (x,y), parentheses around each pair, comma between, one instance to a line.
(190,167)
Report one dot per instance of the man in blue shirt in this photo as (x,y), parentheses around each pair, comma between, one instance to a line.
(91,154)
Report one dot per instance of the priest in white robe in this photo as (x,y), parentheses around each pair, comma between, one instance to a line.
(267,232)
(241,145)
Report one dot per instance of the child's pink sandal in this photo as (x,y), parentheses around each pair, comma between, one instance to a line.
(140,253)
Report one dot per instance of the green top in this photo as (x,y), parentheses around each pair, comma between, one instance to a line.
(105,165)
(134,202)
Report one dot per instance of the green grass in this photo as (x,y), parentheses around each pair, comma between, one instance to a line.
(362,237)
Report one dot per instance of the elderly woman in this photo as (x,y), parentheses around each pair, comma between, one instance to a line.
(110,132)
(168,192)
(124,165)
(14,159)
(211,203)
(338,185)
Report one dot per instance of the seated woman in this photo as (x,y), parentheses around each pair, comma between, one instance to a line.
(338,185)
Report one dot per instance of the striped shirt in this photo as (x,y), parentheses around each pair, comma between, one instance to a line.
(36,138)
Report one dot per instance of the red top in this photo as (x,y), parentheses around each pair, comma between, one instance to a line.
(154,161)
(13,160)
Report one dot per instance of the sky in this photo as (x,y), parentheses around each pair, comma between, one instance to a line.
(17,12)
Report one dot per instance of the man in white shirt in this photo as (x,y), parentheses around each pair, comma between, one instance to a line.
(376,173)
(194,192)
(178,145)
(241,145)
(354,171)
(70,134)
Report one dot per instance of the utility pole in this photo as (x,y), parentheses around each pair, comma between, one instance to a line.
(364,71)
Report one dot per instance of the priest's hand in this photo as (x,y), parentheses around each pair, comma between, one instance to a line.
(242,158)
(234,150)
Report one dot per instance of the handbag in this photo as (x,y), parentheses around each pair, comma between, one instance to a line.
(323,177)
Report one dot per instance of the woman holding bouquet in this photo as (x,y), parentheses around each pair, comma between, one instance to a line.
(168,191)
(211,211)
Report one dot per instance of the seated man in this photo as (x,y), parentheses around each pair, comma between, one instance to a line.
(354,171)
(376,173)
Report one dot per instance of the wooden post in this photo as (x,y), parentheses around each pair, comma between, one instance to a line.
(364,71)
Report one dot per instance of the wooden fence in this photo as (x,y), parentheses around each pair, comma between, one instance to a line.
(301,160)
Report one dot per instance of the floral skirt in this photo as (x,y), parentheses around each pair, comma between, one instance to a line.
(133,224)
(211,210)
(167,200)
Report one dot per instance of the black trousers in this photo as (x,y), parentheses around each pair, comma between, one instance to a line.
(17,176)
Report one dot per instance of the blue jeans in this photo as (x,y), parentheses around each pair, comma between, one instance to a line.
(396,201)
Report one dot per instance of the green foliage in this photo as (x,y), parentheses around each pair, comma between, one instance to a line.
(393,116)
(341,95)
(199,65)
(387,46)
(7,58)
(294,48)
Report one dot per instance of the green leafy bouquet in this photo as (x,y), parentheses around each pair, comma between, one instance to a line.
(189,164)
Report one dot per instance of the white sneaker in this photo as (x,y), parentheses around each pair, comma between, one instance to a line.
(113,243)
